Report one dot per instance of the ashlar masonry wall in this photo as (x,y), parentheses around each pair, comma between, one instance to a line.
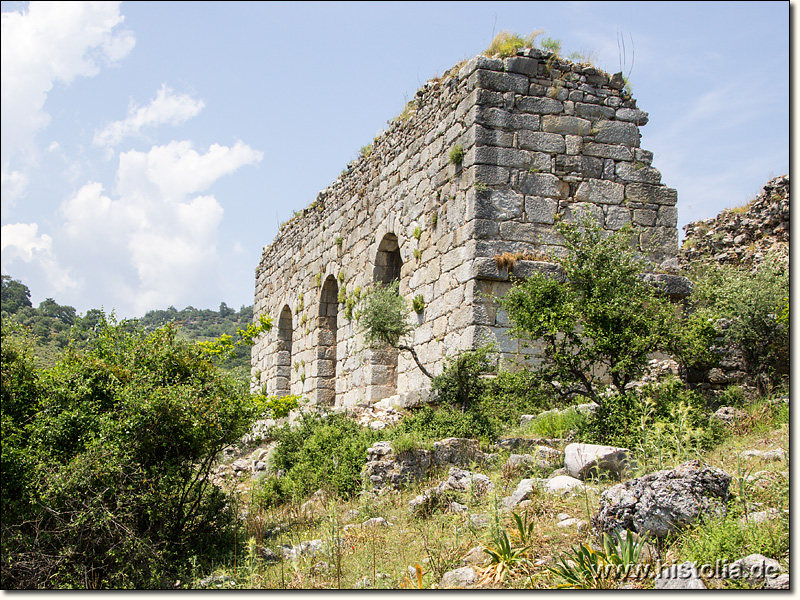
(542,139)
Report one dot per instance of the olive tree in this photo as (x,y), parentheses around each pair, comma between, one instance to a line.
(384,320)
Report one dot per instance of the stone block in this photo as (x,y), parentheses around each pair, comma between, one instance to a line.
(492,117)
(540,106)
(566,125)
(484,136)
(617,217)
(600,192)
(614,151)
(502,157)
(500,205)
(543,184)
(651,194)
(498,81)
(616,132)
(542,142)
(540,210)
(633,115)
(645,217)
(586,166)
(519,64)
(667,216)
(638,172)
(593,111)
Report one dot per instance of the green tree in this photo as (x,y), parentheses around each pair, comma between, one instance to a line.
(603,316)
(113,449)
(384,320)
(15,295)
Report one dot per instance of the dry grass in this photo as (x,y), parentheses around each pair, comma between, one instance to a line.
(506,43)
(508,260)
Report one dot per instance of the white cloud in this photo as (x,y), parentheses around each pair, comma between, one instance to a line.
(49,42)
(154,233)
(22,242)
(166,108)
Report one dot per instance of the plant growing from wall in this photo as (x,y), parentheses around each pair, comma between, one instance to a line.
(456,155)
(384,320)
(506,43)
(417,254)
(417,232)
(418,304)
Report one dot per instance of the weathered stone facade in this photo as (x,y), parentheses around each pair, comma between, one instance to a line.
(541,139)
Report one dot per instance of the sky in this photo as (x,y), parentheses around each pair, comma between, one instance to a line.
(150,150)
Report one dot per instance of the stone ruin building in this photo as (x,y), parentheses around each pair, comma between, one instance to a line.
(481,162)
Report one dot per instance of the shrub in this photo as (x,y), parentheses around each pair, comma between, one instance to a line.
(461,382)
(512,394)
(604,315)
(432,423)
(755,304)
(317,452)
(554,424)
(119,453)
(418,304)
(726,540)
(506,43)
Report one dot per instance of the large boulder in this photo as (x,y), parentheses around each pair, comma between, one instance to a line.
(663,502)
(588,460)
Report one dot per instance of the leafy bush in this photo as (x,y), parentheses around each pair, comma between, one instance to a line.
(461,382)
(115,446)
(552,424)
(662,420)
(431,423)
(456,155)
(317,452)
(726,540)
(512,394)
(755,303)
(604,316)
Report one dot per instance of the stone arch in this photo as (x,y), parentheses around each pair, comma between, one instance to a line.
(327,332)
(388,261)
(382,373)
(283,381)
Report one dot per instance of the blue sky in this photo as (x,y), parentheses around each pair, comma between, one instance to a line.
(151,149)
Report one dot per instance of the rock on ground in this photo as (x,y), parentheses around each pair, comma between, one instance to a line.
(661,503)
(585,460)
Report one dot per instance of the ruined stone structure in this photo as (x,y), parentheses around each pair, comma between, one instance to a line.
(481,162)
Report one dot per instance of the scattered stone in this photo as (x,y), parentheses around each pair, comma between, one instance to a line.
(217,581)
(460,578)
(571,522)
(525,488)
(587,460)
(729,415)
(759,517)
(756,569)
(679,577)
(781,582)
(475,557)
(661,503)
(563,484)
(480,520)
(562,516)
(775,454)
(268,555)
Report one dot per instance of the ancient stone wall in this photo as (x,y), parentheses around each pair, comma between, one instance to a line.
(481,162)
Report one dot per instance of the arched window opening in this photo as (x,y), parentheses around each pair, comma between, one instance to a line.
(388,262)
(382,373)
(283,382)
(327,331)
